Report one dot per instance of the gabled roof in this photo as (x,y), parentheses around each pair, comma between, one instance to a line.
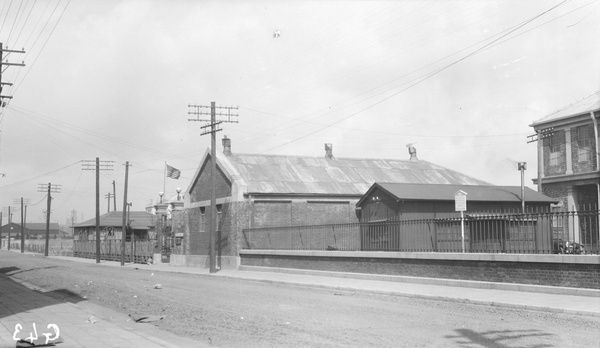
(277,174)
(479,193)
(588,104)
(140,220)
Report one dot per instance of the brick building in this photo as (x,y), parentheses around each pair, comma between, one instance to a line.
(270,190)
(568,160)
(568,153)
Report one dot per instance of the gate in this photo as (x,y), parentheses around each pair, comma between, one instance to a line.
(167,240)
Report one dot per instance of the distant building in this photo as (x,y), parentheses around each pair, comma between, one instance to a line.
(111,226)
(32,230)
(269,190)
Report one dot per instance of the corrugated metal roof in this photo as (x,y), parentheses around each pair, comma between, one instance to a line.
(342,176)
(140,220)
(482,193)
(586,105)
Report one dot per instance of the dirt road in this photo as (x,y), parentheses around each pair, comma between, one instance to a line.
(236,313)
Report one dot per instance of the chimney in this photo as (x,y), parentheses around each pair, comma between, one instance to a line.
(226,146)
(329,151)
(413,153)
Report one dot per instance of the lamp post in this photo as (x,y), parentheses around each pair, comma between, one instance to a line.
(522,167)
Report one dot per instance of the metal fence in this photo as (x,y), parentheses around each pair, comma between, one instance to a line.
(140,251)
(55,246)
(531,233)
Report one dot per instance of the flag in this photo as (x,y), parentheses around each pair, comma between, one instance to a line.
(173,172)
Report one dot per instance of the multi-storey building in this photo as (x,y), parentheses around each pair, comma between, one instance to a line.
(568,153)
(568,165)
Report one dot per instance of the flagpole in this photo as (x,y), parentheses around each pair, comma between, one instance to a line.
(165,178)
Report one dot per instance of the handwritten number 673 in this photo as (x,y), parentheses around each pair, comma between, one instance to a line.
(34,336)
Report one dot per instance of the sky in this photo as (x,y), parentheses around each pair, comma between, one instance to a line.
(460,80)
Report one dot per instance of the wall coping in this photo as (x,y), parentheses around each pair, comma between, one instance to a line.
(539,258)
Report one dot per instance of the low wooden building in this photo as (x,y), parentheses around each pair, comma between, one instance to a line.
(403,216)
(140,223)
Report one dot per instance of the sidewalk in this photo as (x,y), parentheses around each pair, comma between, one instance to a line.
(519,296)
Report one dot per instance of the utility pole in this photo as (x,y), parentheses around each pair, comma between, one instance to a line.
(226,116)
(51,189)
(24,203)
(108,196)
(114,196)
(73,220)
(2,64)
(9,227)
(125,222)
(522,166)
(100,165)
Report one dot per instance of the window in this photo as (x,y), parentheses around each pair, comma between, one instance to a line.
(584,143)
(219,216)
(202,219)
(557,221)
(554,150)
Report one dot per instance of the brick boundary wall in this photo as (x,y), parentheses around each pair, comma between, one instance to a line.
(551,270)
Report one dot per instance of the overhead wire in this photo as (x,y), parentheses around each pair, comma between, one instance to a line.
(18,183)
(373,89)
(426,77)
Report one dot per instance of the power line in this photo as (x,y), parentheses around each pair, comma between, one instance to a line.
(423,78)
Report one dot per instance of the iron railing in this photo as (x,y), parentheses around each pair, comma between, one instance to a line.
(140,251)
(530,233)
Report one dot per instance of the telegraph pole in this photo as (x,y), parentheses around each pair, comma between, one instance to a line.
(100,165)
(51,189)
(24,203)
(9,223)
(125,218)
(2,64)
(114,196)
(226,116)
(108,196)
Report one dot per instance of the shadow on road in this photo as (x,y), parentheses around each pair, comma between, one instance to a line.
(10,271)
(498,339)
(17,298)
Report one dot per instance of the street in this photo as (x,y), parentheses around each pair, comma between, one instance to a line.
(238,313)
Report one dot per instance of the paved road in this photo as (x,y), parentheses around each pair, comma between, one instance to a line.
(230,312)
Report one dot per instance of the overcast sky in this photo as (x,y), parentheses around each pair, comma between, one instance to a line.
(462,80)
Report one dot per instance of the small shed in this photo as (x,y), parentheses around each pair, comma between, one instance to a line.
(407,200)
(401,216)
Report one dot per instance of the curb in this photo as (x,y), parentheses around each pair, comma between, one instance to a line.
(424,297)
(554,290)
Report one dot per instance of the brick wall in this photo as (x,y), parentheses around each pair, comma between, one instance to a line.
(203,186)
(578,275)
